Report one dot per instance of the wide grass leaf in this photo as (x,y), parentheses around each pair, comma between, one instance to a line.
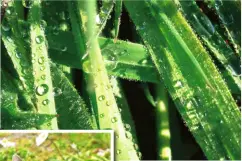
(190,76)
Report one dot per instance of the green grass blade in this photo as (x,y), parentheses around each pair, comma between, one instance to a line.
(45,100)
(198,94)
(71,109)
(117,18)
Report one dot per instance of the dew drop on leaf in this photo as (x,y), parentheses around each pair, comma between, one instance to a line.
(127,127)
(5,27)
(101,98)
(27,3)
(57,91)
(41,60)
(45,102)
(101,115)
(119,109)
(42,89)
(178,84)
(136,147)
(43,23)
(119,151)
(114,119)
(9,10)
(39,39)
(139,155)
(110,58)
(42,68)
(108,103)
(18,55)
(144,61)
(128,135)
(43,77)
(64,48)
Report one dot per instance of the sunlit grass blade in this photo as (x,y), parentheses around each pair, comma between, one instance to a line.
(45,101)
(190,77)
(100,87)
(162,123)
(127,120)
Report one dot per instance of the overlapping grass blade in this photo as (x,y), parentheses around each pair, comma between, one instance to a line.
(12,115)
(117,18)
(230,18)
(190,77)
(100,90)
(71,109)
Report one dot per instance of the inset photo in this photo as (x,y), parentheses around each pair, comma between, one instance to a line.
(52,145)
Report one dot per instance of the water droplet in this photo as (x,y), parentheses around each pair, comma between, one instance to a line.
(25,71)
(114,119)
(41,60)
(127,127)
(128,135)
(42,89)
(110,58)
(108,103)
(57,91)
(43,77)
(139,155)
(27,3)
(101,98)
(178,84)
(136,147)
(9,39)
(64,26)
(39,39)
(86,66)
(45,102)
(119,109)
(18,55)
(124,52)
(144,61)
(43,23)
(64,48)
(42,68)
(119,151)
(101,115)
(5,27)
(33,60)
(9,10)
(98,20)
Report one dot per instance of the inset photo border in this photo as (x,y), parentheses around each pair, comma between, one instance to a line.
(56,145)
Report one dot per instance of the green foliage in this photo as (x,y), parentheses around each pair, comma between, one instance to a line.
(190,59)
